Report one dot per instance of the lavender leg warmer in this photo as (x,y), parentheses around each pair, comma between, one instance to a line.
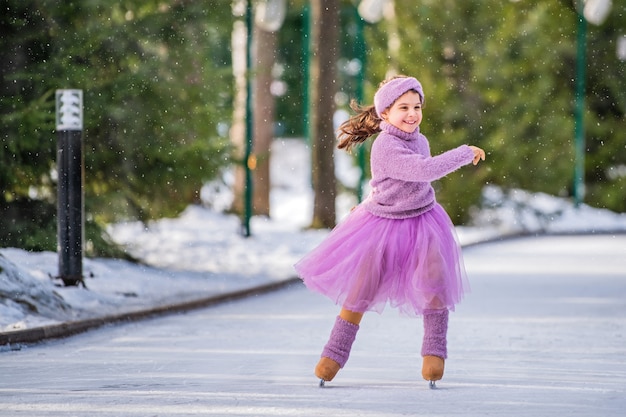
(435,331)
(340,341)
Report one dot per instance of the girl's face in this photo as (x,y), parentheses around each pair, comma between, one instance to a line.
(406,112)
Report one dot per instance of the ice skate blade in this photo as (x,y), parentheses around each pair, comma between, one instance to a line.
(432,385)
(322,383)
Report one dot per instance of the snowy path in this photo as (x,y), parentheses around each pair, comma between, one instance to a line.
(542,334)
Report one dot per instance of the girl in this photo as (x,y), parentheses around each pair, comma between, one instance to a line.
(399,245)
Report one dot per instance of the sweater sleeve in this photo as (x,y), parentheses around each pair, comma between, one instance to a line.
(393,159)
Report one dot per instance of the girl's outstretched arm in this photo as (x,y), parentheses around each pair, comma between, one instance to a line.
(391,158)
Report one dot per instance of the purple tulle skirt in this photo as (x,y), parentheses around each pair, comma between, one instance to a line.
(367,261)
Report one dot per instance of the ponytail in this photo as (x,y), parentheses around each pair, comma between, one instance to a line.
(359,127)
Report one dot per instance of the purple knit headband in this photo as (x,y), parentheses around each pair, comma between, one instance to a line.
(392,90)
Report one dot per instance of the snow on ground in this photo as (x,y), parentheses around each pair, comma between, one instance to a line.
(202,252)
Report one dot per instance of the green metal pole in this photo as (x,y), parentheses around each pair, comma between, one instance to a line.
(306,47)
(361,56)
(249,117)
(579,127)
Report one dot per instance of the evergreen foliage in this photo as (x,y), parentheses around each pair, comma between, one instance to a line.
(156,84)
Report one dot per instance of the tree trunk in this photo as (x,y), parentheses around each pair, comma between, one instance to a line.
(324,42)
(265,48)
(238,128)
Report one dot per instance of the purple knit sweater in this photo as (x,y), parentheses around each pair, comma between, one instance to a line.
(402,170)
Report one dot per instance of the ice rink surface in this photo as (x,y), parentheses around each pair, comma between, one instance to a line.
(543,333)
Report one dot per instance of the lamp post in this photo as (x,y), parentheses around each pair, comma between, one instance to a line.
(370,11)
(361,55)
(596,12)
(70,224)
(579,129)
(247,210)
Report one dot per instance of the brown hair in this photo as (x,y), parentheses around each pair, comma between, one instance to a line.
(362,125)
(359,127)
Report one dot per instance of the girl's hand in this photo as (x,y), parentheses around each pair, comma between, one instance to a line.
(479,154)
